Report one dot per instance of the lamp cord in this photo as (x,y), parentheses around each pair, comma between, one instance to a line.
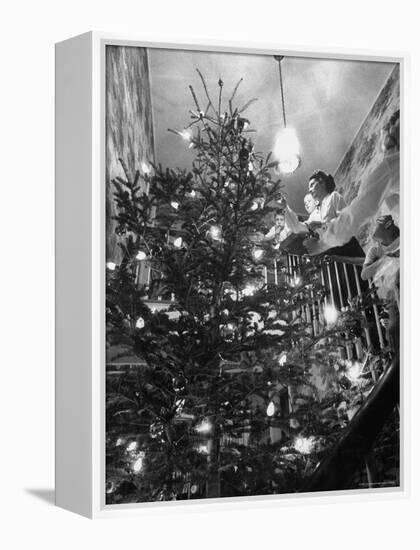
(279,58)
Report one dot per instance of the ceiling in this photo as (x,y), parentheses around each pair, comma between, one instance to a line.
(326,102)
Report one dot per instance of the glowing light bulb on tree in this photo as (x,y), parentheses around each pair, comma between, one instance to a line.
(175,205)
(282,359)
(258,253)
(202,449)
(141,255)
(304,445)
(111,266)
(132,446)
(271,409)
(138,464)
(178,242)
(287,150)
(354,371)
(204,427)
(186,135)
(215,232)
(330,314)
(140,323)
(249,290)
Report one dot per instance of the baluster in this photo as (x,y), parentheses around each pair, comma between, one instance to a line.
(359,348)
(323,283)
(357,342)
(289,267)
(294,270)
(340,293)
(314,315)
(367,331)
(349,346)
(359,293)
(330,285)
(377,320)
(276,282)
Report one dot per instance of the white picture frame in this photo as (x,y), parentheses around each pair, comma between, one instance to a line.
(80,283)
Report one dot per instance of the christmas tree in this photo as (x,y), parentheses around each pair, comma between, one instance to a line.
(237,387)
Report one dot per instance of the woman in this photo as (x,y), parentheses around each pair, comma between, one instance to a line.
(331,203)
(378,194)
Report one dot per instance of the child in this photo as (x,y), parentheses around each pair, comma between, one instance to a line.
(382,265)
(279,231)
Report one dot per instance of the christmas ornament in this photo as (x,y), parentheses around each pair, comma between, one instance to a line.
(304,445)
(141,255)
(204,427)
(138,464)
(257,253)
(140,323)
(178,242)
(330,314)
(215,232)
(271,409)
(131,446)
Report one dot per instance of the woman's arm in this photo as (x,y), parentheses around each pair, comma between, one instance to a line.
(369,271)
(293,222)
(373,261)
(372,193)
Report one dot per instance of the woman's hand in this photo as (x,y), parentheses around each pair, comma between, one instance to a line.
(312,246)
(282,202)
(315,225)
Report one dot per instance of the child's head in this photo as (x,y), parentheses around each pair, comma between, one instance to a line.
(279,219)
(310,203)
(385,231)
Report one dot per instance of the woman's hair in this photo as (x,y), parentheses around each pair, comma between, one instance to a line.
(388,223)
(391,132)
(327,179)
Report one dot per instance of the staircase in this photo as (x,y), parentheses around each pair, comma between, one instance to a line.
(367,454)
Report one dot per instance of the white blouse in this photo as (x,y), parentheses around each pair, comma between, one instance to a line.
(295,225)
(331,206)
(378,195)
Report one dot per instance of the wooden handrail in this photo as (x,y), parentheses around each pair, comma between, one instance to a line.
(347,260)
(336,469)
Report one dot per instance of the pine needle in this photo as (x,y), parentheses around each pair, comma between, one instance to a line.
(206,91)
(250,102)
(194,97)
(235,90)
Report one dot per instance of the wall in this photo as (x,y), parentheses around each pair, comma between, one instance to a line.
(364,154)
(129,123)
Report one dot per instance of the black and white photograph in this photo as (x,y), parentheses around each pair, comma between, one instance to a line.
(252,274)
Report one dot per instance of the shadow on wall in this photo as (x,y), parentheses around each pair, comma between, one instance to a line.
(364,154)
(129,123)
